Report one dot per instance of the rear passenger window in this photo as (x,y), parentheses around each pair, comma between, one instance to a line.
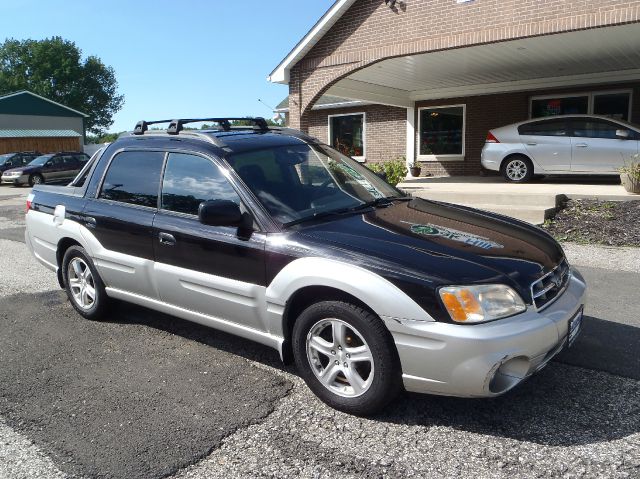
(134,177)
(544,128)
(189,180)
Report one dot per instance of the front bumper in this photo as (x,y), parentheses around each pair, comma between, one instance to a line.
(485,360)
(15,180)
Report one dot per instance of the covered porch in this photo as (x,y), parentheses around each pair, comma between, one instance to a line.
(453,97)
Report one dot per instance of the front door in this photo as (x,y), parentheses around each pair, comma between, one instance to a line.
(597,148)
(206,269)
(120,221)
(548,143)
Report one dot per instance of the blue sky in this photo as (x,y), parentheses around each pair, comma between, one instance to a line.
(176,59)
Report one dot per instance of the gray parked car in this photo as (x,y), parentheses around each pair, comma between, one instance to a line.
(560,145)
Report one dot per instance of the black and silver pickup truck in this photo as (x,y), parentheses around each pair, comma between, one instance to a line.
(270,235)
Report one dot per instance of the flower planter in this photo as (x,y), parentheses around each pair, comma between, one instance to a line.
(631,184)
(415,171)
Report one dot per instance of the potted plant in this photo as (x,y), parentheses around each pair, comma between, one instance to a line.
(630,176)
(415,169)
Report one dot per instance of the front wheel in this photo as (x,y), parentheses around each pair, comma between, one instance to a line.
(517,169)
(347,357)
(83,285)
(36,179)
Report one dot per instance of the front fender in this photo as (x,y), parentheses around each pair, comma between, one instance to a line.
(383,297)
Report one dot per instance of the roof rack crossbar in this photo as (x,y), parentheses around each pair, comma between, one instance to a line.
(177,125)
(143,126)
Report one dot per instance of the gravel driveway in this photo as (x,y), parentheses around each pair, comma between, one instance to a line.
(147,395)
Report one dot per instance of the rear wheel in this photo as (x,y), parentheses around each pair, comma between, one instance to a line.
(347,357)
(83,285)
(36,179)
(517,168)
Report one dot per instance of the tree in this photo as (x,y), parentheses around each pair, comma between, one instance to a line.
(54,68)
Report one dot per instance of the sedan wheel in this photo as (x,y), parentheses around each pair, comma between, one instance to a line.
(518,169)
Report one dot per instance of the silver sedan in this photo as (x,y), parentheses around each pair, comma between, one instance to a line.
(561,145)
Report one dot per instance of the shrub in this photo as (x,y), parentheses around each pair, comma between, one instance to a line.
(632,169)
(396,170)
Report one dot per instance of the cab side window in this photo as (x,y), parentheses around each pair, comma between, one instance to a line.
(134,177)
(189,180)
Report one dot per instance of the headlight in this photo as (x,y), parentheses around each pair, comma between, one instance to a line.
(476,304)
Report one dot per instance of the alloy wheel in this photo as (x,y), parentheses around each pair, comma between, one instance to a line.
(81,283)
(516,170)
(340,357)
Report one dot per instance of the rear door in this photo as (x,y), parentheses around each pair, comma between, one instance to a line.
(53,169)
(207,269)
(596,147)
(548,143)
(119,221)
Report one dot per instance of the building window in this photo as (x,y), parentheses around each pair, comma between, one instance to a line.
(347,134)
(441,132)
(614,104)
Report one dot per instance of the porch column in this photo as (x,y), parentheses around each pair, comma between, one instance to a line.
(411,138)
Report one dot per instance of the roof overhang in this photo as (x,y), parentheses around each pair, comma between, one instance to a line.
(281,72)
(585,57)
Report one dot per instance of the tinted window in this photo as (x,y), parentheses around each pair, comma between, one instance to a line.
(189,180)
(559,106)
(69,161)
(587,128)
(544,128)
(442,130)
(134,177)
(347,134)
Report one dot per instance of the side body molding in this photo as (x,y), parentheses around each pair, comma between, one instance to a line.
(383,297)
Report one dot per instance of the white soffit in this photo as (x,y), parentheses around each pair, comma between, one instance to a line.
(589,56)
(281,72)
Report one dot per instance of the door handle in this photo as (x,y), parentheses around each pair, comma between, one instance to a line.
(90,221)
(532,143)
(581,145)
(167,239)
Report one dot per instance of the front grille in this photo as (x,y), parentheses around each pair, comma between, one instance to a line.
(547,289)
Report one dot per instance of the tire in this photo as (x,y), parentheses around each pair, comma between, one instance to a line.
(517,169)
(74,266)
(360,386)
(36,179)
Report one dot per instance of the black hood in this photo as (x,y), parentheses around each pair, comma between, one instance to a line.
(442,244)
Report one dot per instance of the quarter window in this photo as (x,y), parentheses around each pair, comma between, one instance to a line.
(134,177)
(442,131)
(190,180)
(346,134)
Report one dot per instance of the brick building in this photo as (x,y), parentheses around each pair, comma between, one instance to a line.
(426,79)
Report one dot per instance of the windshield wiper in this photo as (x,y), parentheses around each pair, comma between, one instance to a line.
(342,211)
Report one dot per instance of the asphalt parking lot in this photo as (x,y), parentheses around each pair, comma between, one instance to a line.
(147,395)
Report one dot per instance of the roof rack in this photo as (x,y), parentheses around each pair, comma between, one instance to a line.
(177,125)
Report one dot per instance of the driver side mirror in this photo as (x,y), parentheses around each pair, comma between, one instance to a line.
(49,163)
(382,174)
(622,134)
(224,213)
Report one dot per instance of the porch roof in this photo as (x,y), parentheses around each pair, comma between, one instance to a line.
(594,56)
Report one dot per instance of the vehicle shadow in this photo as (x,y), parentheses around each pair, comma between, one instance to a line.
(578,399)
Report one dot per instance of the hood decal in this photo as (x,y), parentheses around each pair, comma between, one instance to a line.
(454,235)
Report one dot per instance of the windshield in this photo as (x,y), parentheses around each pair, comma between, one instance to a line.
(298,182)
(4,158)
(41,160)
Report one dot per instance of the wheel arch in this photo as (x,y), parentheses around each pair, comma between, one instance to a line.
(514,154)
(301,280)
(63,245)
(304,297)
